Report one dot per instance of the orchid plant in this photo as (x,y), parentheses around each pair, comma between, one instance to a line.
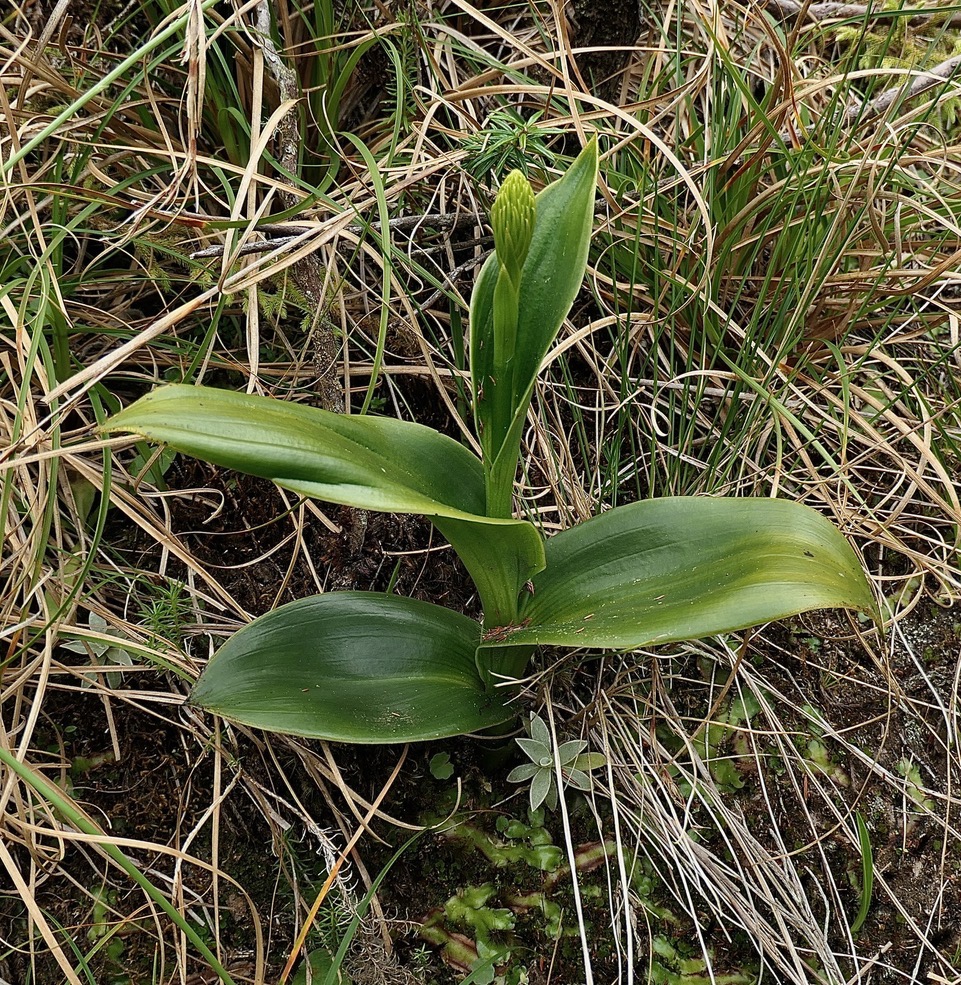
(375,667)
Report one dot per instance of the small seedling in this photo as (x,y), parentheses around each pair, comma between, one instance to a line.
(441,767)
(101,654)
(508,142)
(319,967)
(473,928)
(674,963)
(914,795)
(167,610)
(541,771)
(529,844)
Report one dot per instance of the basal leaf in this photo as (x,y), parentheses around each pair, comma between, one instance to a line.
(373,463)
(683,568)
(500,556)
(353,667)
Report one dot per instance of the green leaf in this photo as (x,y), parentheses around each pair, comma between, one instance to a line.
(536,749)
(568,751)
(551,277)
(523,772)
(322,963)
(540,732)
(684,568)
(440,766)
(578,779)
(867,873)
(353,667)
(501,556)
(541,786)
(373,463)
(590,761)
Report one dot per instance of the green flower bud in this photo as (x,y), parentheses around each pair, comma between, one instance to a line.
(512,217)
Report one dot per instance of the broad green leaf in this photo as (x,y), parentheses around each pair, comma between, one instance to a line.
(353,667)
(684,568)
(499,663)
(373,463)
(551,277)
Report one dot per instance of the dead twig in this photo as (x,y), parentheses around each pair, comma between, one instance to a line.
(819,12)
(307,272)
(922,81)
(437,221)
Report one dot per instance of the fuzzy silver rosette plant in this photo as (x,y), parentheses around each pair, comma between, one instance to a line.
(373,667)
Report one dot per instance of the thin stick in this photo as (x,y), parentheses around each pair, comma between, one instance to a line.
(922,81)
(854,11)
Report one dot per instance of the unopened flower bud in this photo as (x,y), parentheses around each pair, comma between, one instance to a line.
(512,217)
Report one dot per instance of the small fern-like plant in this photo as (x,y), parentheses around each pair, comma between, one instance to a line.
(899,43)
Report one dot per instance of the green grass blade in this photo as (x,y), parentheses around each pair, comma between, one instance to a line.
(101,85)
(867,873)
